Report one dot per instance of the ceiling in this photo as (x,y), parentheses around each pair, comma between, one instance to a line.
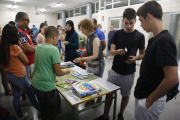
(29,5)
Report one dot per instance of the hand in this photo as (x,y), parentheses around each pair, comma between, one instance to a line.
(67,71)
(148,103)
(121,52)
(130,61)
(77,60)
(65,42)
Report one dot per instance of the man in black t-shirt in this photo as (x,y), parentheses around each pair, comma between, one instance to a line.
(124,43)
(158,72)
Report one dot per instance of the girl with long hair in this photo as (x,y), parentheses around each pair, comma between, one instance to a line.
(13,61)
(41,36)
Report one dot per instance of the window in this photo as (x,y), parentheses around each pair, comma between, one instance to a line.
(132,2)
(59,16)
(97,7)
(83,10)
(71,13)
(77,12)
(102,4)
(93,7)
(67,14)
(117,23)
(108,4)
(120,3)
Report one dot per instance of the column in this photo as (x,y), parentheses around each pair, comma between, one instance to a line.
(88,11)
(63,19)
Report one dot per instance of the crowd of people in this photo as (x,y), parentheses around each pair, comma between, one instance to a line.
(158,72)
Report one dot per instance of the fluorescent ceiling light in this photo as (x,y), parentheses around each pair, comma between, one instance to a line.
(15,1)
(43,10)
(55,5)
(12,7)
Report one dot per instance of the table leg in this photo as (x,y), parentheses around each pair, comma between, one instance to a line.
(73,113)
(114,111)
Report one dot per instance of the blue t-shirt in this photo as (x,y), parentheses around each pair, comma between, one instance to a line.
(35,29)
(100,34)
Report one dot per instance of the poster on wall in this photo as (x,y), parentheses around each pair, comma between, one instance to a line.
(102,18)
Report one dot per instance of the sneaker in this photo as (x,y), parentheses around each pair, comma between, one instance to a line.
(101,118)
(25,102)
(24,117)
(120,117)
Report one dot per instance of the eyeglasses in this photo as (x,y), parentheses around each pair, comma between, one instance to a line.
(26,20)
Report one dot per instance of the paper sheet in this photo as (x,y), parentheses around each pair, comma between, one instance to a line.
(105,84)
(84,72)
(70,95)
(76,68)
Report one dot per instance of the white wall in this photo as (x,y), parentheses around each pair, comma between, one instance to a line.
(6,16)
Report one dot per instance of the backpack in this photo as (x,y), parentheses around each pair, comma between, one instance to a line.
(172,93)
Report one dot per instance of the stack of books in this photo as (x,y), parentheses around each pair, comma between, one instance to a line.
(67,84)
(81,76)
(67,64)
(86,89)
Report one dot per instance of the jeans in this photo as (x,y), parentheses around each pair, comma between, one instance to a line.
(100,74)
(28,67)
(18,85)
(59,46)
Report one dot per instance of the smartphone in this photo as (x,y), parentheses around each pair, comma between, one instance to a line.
(124,58)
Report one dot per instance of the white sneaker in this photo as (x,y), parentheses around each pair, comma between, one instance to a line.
(24,117)
(25,102)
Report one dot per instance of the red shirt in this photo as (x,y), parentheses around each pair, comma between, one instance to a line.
(24,38)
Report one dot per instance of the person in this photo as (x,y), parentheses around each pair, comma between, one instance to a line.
(71,42)
(47,67)
(62,38)
(22,22)
(100,27)
(158,72)
(110,35)
(13,61)
(59,40)
(34,33)
(5,84)
(41,36)
(93,49)
(12,23)
(99,33)
(125,42)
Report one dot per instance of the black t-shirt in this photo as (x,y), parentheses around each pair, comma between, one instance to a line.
(132,42)
(161,51)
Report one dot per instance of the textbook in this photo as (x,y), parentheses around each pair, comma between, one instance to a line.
(67,84)
(86,89)
(67,64)
(81,76)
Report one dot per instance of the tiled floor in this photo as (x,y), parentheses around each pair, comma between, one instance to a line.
(171,111)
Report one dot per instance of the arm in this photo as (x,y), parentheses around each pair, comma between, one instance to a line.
(169,81)
(40,39)
(114,52)
(62,38)
(58,71)
(96,45)
(103,43)
(23,58)
(73,44)
(28,47)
